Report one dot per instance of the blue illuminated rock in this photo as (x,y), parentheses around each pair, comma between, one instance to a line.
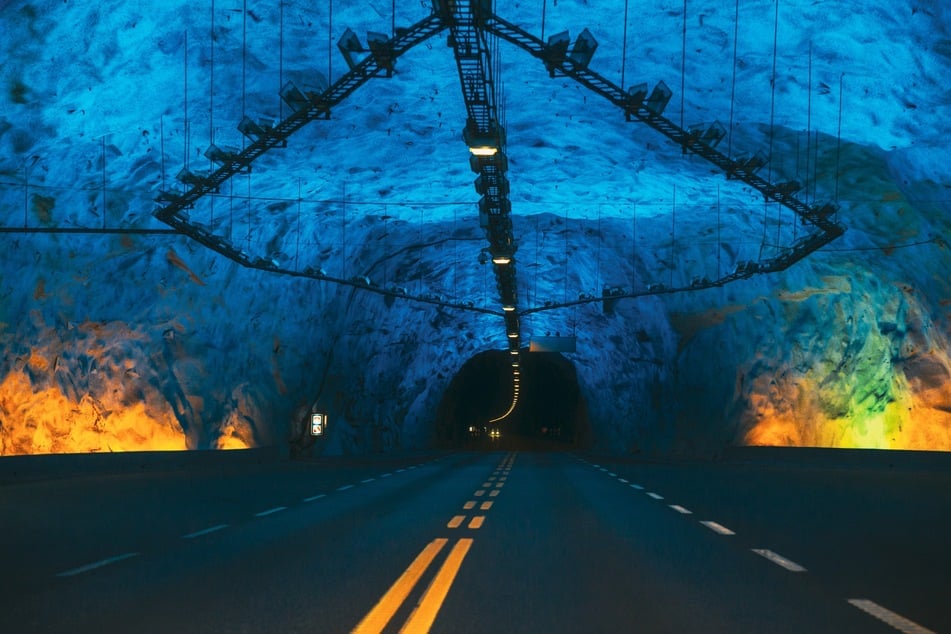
(117,342)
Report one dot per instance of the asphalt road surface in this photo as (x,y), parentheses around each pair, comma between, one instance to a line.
(488,541)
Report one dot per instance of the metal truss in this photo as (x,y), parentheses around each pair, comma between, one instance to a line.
(469,23)
(700,141)
(306,106)
(485,137)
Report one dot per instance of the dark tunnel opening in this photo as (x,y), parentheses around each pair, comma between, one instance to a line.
(551,412)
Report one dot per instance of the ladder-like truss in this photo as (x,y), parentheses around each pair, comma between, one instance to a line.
(469,23)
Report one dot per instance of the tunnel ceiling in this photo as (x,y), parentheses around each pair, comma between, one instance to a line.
(117,99)
(104,104)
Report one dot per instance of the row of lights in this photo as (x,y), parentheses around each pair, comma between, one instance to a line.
(488,147)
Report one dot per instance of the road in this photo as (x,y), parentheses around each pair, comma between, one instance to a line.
(497,541)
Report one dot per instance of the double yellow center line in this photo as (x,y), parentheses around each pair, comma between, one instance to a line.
(421,620)
(423,616)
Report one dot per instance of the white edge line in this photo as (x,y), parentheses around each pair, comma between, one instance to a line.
(345,487)
(400,470)
(315,497)
(779,560)
(717,528)
(637,486)
(897,621)
(367,481)
(205,531)
(656,496)
(96,564)
(386,475)
(276,509)
(622,480)
(680,509)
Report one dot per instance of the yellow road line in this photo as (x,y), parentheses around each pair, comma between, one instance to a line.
(480,492)
(421,620)
(384,610)
(477,521)
(493,493)
(469,505)
(456,521)
(485,506)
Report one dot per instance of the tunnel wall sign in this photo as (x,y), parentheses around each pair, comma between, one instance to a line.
(317,424)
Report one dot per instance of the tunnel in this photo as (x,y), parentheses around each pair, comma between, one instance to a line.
(762,261)
(551,412)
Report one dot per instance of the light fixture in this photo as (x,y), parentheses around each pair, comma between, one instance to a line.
(501,259)
(513,352)
(255,130)
(484,142)
(221,155)
(513,335)
(353,51)
(508,307)
(658,99)
(483,150)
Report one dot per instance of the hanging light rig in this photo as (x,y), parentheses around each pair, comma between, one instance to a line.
(484,135)
(471,23)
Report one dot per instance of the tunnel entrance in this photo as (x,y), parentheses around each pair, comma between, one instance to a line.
(551,412)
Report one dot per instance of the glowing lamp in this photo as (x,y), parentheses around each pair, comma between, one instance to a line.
(318,423)
(501,259)
(484,150)
(508,307)
(483,143)
(513,335)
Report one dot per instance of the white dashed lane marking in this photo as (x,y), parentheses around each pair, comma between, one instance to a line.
(897,621)
(717,528)
(779,560)
(345,487)
(315,497)
(276,509)
(205,531)
(656,496)
(368,480)
(96,564)
(680,509)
